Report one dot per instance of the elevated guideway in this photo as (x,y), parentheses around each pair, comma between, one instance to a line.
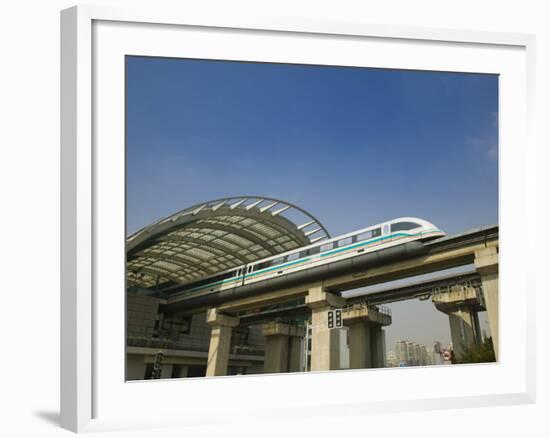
(459,273)
(409,260)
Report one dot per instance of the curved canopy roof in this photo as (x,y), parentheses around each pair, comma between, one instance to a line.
(214,236)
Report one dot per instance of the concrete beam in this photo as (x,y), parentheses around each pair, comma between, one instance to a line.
(449,299)
(431,262)
(220,342)
(215,318)
(486,262)
(278,328)
(362,312)
(267,299)
(318,298)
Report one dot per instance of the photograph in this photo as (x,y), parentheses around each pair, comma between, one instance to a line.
(275,219)
(296,218)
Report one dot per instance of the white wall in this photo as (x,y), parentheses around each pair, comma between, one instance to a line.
(29,219)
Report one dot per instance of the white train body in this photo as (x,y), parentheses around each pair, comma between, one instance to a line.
(375,238)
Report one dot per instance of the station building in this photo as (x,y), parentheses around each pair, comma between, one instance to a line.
(192,244)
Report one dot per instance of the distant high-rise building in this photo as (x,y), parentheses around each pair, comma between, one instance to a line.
(418,354)
(391,360)
(401,355)
(424,356)
(407,353)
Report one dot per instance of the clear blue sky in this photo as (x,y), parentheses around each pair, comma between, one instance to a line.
(353,146)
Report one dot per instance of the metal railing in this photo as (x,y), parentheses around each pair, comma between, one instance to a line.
(382,310)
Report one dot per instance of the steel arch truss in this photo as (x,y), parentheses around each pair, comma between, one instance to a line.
(214,236)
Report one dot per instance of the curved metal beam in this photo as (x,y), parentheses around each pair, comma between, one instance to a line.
(239,233)
(211,244)
(180,260)
(145,233)
(279,224)
(267,229)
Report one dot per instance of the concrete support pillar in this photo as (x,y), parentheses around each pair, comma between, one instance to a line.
(377,347)
(383,343)
(360,345)
(477,328)
(282,347)
(462,322)
(367,341)
(220,342)
(295,353)
(486,262)
(461,304)
(325,342)
(276,354)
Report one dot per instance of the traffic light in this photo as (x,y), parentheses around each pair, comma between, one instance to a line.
(330,319)
(338,315)
(334,318)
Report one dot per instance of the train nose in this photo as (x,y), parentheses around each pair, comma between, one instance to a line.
(434,234)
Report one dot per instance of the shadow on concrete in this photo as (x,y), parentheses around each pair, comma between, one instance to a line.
(52,417)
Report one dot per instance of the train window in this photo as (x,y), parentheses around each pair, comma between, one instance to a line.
(403,226)
(294,256)
(344,242)
(327,246)
(376,232)
(364,236)
(314,250)
(277,261)
(262,265)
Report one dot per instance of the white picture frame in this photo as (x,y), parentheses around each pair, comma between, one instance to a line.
(90,401)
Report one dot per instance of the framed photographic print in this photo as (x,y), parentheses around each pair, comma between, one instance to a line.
(316,216)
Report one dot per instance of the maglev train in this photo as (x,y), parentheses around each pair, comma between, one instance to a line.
(375,238)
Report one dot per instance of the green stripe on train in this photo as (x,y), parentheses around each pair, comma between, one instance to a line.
(305,259)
